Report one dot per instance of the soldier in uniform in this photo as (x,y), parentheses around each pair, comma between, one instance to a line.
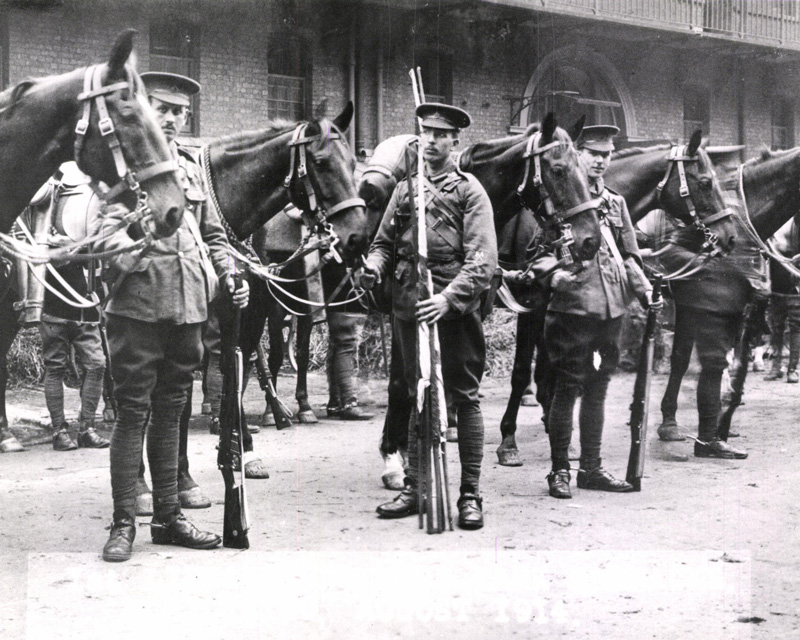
(584,319)
(158,304)
(462,256)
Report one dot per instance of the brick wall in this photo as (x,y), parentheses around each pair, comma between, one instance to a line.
(493,60)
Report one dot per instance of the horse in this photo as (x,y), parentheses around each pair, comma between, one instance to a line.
(648,178)
(252,176)
(99,117)
(766,190)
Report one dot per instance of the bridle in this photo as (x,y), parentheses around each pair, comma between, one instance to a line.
(677,158)
(94,94)
(315,217)
(551,219)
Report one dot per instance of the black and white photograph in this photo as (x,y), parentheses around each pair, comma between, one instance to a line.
(369,319)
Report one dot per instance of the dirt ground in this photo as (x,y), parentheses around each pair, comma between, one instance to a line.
(709,548)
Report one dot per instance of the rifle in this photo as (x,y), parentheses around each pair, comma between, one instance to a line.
(109,402)
(282,413)
(430,409)
(641,395)
(752,323)
(231,443)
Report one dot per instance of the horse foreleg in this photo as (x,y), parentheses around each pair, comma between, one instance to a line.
(303,337)
(507,452)
(682,344)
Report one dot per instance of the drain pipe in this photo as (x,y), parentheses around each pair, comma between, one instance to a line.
(351,84)
(379,97)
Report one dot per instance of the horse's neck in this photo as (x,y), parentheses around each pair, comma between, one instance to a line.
(249,184)
(772,196)
(636,178)
(36,135)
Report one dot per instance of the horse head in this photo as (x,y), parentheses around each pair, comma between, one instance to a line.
(691,193)
(119,142)
(678,179)
(323,184)
(555,187)
(384,170)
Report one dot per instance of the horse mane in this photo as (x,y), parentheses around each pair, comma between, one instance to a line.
(488,150)
(636,151)
(244,140)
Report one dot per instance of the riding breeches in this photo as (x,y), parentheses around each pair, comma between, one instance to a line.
(152,365)
(463,351)
(571,342)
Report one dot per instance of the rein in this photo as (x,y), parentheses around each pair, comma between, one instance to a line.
(747,224)
(94,95)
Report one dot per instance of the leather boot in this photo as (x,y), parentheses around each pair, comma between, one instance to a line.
(62,441)
(716,448)
(88,438)
(558,483)
(405,504)
(175,529)
(470,511)
(120,540)
(601,480)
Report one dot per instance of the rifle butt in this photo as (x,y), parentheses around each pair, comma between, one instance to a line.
(234,529)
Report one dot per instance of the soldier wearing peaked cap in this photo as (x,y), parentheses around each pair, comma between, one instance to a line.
(584,317)
(462,256)
(156,312)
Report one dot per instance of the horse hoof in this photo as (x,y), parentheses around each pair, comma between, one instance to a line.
(308,417)
(267,419)
(11,445)
(109,415)
(452,434)
(508,457)
(144,504)
(529,400)
(393,473)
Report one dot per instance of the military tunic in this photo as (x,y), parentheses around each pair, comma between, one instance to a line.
(462,256)
(155,320)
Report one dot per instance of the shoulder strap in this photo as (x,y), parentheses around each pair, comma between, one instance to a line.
(608,236)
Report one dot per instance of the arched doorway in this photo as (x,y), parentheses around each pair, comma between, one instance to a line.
(574,82)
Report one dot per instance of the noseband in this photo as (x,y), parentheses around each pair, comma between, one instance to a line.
(677,157)
(94,94)
(552,219)
(315,217)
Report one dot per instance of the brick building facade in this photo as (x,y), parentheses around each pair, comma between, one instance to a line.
(505,62)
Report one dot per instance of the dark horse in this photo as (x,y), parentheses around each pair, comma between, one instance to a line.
(767,191)
(38,122)
(252,176)
(635,174)
(506,169)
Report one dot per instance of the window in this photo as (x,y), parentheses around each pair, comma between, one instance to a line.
(437,77)
(782,124)
(287,82)
(3,49)
(175,48)
(696,113)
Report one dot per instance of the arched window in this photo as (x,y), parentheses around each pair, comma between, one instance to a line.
(437,77)
(696,112)
(782,123)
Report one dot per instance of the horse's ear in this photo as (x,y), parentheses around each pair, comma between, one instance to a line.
(694,142)
(575,132)
(120,53)
(342,121)
(548,127)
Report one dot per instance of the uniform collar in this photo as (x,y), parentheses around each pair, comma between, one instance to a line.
(448,167)
(597,188)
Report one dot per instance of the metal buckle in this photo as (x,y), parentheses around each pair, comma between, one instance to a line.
(106,126)
(82,127)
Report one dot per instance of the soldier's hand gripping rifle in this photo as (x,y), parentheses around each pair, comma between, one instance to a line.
(281,413)
(231,443)
(641,394)
(752,324)
(430,411)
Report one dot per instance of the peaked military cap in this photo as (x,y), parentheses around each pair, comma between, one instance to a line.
(170,87)
(598,137)
(443,116)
